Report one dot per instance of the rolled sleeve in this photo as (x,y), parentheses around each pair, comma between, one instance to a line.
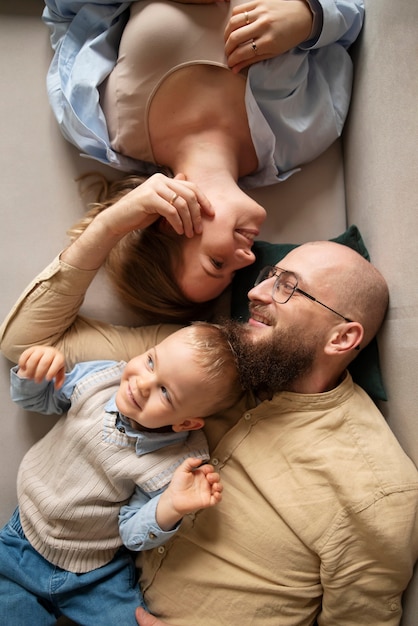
(45,309)
(340,22)
(47,314)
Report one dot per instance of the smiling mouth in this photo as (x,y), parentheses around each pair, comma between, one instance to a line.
(132,398)
(257,317)
(249,235)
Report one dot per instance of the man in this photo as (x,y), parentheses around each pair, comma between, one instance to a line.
(319,515)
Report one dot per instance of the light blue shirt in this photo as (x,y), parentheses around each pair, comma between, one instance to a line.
(137,519)
(296,103)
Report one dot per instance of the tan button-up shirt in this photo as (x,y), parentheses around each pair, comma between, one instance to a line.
(319,516)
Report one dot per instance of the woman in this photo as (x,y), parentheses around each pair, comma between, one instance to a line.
(286,110)
(172,100)
(168,252)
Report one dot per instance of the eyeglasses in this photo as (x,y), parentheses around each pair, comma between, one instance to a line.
(285,286)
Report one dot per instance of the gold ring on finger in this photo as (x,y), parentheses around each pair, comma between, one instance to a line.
(254,46)
(174,198)
(247,18)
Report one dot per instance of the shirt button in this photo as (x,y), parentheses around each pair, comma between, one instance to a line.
(247,416)
(160,549)
(121,429)
(152,536)
(394,606)
(215,462)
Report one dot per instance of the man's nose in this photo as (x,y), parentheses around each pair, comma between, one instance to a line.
(262,292)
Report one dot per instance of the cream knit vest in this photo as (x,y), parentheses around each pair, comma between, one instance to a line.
(72,483)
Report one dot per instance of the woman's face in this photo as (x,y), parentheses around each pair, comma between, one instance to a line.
(211,259)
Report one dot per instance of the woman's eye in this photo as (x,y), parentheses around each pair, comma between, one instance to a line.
(216,264)
(150,362)
(166,394)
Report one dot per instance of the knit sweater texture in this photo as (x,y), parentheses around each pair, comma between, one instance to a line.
(73,482)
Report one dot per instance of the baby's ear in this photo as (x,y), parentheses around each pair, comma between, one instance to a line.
(192,423)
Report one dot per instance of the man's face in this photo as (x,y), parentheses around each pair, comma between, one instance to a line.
(272,361)
(280,342)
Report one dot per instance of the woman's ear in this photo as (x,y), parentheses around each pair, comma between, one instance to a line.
(345,338)
(192,423)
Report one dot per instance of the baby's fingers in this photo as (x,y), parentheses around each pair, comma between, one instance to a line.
(39,363)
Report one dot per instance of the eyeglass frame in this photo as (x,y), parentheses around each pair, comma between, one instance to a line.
(258,280)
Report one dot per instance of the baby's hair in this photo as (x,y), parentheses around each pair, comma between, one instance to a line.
(214,355)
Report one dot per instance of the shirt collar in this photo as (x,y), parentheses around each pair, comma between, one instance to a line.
(146,441)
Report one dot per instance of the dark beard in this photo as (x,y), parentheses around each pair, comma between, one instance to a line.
(273,363)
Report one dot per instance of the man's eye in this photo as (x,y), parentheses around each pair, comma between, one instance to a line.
(166,394)
(150,362)
(216,264)
(288,287)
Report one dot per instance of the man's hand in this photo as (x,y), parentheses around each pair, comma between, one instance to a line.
(146,619)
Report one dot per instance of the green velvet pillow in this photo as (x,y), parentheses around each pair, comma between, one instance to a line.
(365,369)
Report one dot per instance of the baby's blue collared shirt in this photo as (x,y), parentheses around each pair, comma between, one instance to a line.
(137,519)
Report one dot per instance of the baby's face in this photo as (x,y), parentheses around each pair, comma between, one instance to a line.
(163,386)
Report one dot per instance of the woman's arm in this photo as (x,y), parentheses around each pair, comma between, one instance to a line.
(47,311)
(136,210)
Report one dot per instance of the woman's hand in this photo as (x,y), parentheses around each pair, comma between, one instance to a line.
(179,201)
(262,29)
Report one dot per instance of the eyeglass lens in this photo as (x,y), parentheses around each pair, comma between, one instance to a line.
(284,285)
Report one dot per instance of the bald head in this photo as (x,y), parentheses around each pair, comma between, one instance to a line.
(344,280)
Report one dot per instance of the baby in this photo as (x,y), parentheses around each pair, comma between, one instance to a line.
(123,466)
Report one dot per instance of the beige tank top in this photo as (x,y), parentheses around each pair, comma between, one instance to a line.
(159,38)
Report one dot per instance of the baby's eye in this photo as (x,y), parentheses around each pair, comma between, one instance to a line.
(150,362)
(216,264)
(166,394)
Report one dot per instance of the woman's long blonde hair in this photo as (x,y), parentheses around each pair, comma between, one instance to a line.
(142,265)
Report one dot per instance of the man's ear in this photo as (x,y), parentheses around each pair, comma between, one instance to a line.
(192,423)
(345,337)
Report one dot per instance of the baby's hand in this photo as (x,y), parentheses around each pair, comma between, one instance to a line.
(194,486)
(42,363)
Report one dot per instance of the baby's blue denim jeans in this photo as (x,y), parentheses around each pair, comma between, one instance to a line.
(33,592)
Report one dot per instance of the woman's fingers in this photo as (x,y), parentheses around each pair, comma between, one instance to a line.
(262,29)
(184,205)
(179,201)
